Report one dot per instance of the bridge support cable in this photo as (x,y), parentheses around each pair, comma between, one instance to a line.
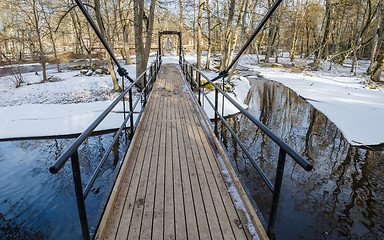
(225,72)
(120,70)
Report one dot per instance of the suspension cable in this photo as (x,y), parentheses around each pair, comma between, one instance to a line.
(122,71)
(225,72)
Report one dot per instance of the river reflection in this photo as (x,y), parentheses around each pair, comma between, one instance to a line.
(35,204)
(342,198)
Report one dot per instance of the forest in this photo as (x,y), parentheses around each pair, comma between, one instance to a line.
(318,31)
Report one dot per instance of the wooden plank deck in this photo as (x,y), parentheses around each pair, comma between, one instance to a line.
(171,185)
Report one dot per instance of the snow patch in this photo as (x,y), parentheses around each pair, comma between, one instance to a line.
(236,197)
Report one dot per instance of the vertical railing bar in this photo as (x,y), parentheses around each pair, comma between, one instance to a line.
(199,88)
(276,193)
(131,110)
(145,86)
(124,110)
(79,195)
(216,106)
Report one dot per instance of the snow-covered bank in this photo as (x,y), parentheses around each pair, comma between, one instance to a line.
(43,120)
(71,102)
(357,111)
(239,94)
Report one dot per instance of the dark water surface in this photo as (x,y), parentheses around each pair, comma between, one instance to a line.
(35,204)
(342,198)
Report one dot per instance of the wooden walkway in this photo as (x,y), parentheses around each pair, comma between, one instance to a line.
(171,185)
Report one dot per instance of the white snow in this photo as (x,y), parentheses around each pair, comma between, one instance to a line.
(68,104)
(63,107)
(356,110)
(239,94)
(36,120)
(236,197)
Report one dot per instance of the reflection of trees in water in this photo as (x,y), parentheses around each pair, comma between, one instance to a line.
(43,205)
(341,197)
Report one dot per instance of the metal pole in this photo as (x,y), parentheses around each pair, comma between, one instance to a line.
(131,109)
(216,107)
(191,77)
(124,110)
(145,87)
(199,78)
(276,193)
(159,43)
(79,195)
(103,41)
(181,46)
(257,30)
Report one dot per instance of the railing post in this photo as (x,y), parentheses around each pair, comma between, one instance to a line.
(199,79)
(216,107)
(191,77)
(79,195)
(276,193)
(145,86)
(131,110)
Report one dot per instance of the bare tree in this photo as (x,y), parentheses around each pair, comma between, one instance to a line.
(142,52)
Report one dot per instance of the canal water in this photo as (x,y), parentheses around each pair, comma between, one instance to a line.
(35,204)
(341,198)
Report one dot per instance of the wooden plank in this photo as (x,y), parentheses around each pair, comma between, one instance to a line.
(117,203)
(174,185)
(204,185)
(228,216)
(180,221)
(158,210)
(248,206)
(131,194)
(220,195)
(169,205)
(190,207)
(141,198)
(147,220)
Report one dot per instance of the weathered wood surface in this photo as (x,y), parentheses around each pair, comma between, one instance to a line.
(172,186)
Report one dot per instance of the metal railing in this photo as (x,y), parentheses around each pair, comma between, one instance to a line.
(144,83)
(193,76)
(149,76)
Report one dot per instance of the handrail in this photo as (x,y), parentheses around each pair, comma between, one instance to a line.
(299,159)
(72,151)
(67,154)
(188,69)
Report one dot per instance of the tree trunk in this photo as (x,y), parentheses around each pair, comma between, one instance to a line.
(142,53)
(181,19)
(376,73)
(376,37)
(37,28)
(199,23)
(228,37)
(116,85)
(207,65)
(125,22)
(325,35)
(52,39)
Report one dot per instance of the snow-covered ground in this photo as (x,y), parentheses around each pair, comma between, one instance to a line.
(345,99)
(71,101)
(65,105)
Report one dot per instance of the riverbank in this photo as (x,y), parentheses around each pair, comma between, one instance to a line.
(347,100)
